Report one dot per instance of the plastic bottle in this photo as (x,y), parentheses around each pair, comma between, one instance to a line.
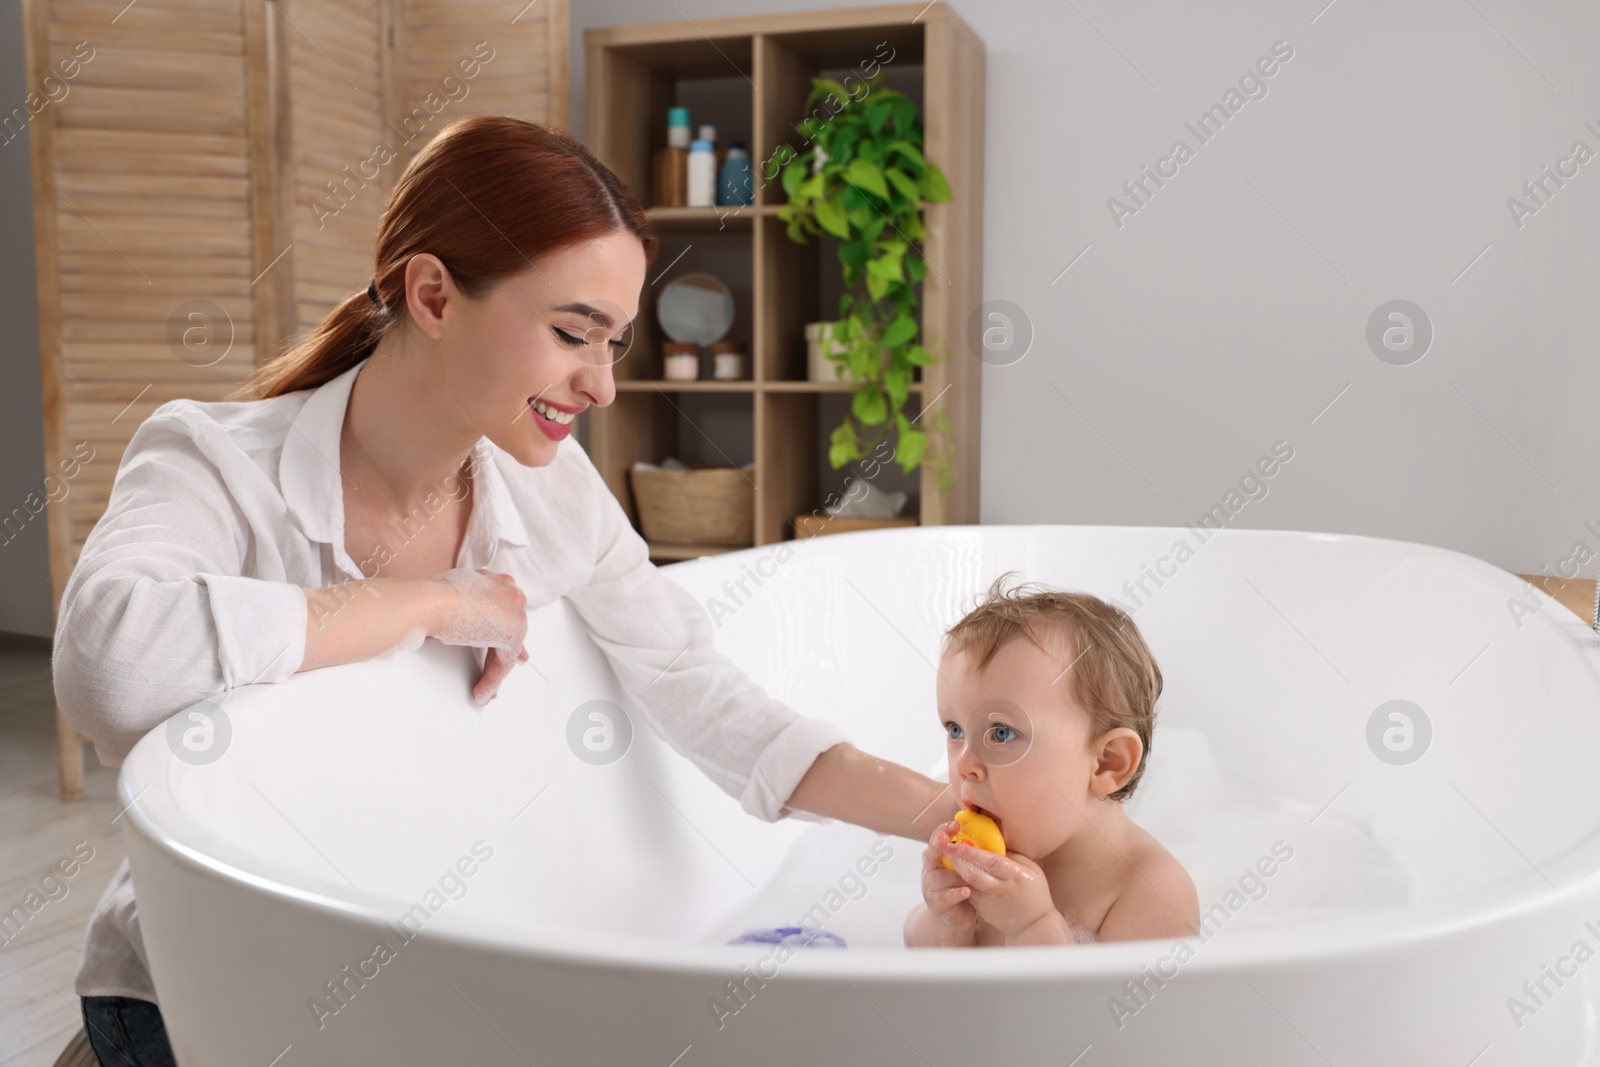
(670,174)
(736,183)
(708,132)
(702,175)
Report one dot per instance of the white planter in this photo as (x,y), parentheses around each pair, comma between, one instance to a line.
(819,342)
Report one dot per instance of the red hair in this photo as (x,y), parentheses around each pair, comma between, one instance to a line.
(489,195)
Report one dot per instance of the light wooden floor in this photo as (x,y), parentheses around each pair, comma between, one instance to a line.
(38,1009)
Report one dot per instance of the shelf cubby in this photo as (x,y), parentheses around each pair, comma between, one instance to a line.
(777,417)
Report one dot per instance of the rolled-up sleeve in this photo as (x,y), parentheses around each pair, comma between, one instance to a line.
(156,615)
(661,644)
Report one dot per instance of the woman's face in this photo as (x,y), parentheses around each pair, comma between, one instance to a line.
(539,347)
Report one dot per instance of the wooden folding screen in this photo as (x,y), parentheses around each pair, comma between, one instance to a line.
(206,187)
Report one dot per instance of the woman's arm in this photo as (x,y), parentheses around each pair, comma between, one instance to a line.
(158,612)
(660,642)
(358,620)
(846,783)
(355,621)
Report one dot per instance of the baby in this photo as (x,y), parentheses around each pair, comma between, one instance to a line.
(1048,700)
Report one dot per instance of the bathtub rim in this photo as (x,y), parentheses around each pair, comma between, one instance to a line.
(1307,943)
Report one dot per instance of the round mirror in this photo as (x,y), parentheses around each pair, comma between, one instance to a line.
(695,307)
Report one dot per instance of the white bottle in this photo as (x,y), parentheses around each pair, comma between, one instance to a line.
(702,175)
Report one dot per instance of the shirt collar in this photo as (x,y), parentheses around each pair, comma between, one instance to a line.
(309,476)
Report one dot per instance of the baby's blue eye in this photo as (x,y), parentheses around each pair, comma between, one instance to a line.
(953,730)
(1002,733)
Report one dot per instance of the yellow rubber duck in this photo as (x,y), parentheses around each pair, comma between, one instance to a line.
(979,830)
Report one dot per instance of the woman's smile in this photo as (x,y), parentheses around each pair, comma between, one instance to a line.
(554,420)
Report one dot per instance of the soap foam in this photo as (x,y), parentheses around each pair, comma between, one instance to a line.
(1218,827)
(471,621)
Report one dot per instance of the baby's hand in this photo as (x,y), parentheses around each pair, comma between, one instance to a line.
(945,916)
(1011,894)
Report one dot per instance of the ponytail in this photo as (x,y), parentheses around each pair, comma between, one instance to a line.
(345,337)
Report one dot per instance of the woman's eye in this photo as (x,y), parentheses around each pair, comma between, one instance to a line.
(576,341)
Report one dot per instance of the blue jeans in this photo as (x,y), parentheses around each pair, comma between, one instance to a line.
(125,1032)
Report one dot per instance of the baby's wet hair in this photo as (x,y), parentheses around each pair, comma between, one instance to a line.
(1111,669)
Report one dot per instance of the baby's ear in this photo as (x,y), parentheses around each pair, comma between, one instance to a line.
(1117,755)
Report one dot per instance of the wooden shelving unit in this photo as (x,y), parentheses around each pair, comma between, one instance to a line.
(750,76)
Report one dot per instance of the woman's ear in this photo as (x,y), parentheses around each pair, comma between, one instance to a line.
(429,291)
(1116,754)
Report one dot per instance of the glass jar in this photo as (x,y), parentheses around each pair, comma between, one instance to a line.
(680,360)
(728,360)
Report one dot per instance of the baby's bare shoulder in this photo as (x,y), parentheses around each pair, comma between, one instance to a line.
(1157,897)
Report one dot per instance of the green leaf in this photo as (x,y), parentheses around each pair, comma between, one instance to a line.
(868,406)
(793,175)
(830,216)
(876,286)
(844,144)
(866,176)
(896,380)
(843,445)
(809,189)
(909,150)
(905,116)
(907,187)
(934,186)
(916,269)
(910,448)
(863,358)
(879,112)
(901,330)
(821,87)
(918,356)
(887,268)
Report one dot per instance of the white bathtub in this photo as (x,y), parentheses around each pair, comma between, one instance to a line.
(344,795)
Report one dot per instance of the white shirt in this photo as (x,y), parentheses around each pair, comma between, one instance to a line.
(222,512)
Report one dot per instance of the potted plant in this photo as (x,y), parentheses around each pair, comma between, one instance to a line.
(863,179)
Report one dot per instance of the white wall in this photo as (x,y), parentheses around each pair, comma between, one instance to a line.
(1228,312)
(25,557)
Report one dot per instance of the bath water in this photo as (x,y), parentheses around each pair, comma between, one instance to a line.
(1220,828)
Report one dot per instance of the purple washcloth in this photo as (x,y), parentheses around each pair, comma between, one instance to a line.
(793,936)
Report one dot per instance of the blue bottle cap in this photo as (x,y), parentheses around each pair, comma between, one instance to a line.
(735,144)
(699,146)
(677,116)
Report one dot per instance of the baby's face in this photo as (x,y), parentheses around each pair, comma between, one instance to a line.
(1018,744)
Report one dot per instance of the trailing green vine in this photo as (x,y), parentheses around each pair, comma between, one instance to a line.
(868,192)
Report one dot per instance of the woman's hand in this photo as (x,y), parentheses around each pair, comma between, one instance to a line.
(1011,894)
(946,917)
(489,612)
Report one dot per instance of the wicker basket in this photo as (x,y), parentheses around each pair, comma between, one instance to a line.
(701,506)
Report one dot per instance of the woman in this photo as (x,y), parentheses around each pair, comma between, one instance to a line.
(247,541)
